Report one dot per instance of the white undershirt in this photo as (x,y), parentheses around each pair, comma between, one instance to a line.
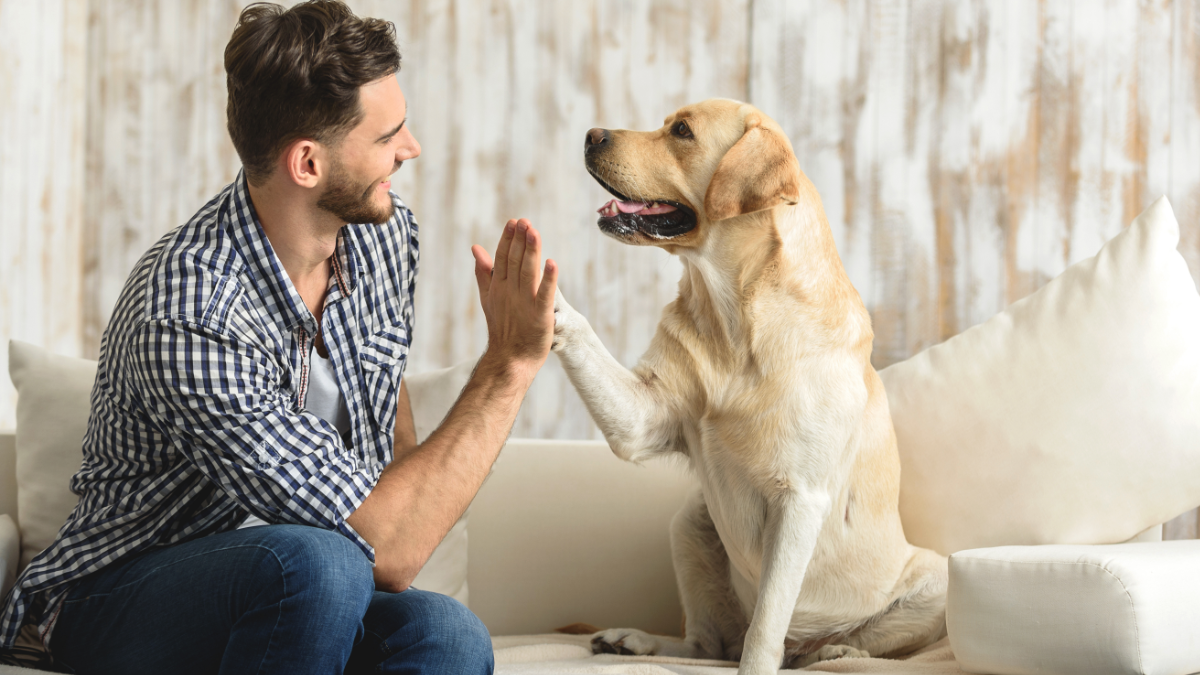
(324,400)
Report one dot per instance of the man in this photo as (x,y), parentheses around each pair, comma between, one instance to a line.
(251,375)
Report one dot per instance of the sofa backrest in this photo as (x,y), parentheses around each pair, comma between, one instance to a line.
(564,532)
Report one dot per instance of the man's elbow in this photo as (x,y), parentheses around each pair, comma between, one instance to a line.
(394,576)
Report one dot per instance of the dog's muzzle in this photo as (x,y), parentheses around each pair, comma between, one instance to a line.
(625,217)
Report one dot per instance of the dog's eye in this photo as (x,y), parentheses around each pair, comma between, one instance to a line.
(681,130)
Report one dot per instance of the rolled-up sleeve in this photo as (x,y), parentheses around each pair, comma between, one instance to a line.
(224,404)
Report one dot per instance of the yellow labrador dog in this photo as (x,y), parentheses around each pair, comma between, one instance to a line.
(791,551)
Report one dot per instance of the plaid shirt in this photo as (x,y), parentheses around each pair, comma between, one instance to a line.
(197,414)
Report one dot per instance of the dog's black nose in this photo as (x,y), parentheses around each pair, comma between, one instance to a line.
(595,137)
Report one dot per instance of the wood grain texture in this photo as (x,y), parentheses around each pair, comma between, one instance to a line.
(42,52)
(967,152)
(157,148)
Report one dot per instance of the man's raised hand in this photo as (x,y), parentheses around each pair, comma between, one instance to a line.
(517,296)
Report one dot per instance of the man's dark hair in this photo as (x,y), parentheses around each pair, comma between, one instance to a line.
(296,73)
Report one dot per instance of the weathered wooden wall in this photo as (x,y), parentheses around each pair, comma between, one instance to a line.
(42,141)
(966,151)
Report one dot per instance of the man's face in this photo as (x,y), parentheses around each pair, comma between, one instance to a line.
(356,190)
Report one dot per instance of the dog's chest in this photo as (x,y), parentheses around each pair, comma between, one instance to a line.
(757,433)
(734,494)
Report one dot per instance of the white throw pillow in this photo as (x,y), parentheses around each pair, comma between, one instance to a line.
(53,403)
(1072,417)
(431,395)
(53,394)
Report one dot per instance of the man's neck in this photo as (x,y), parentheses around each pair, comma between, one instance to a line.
(303,236)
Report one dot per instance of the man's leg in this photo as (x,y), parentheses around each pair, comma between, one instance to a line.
(417,632)
(272,599)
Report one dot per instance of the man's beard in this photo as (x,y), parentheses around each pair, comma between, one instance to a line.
(349,203)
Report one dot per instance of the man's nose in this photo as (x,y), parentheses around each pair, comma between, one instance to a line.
(409,149)
(595,137)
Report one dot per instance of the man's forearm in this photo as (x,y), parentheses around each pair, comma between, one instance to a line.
(423,493)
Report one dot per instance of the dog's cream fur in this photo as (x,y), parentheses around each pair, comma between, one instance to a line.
(792,550)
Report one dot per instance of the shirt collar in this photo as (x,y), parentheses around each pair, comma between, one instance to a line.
(264,266)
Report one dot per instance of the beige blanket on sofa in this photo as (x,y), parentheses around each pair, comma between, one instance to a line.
(556,654)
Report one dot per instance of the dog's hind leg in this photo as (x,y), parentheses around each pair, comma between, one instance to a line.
(715,625)
(916,617)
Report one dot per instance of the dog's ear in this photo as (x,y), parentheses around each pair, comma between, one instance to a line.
(760,171)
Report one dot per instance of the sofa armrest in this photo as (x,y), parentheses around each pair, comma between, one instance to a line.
(10,553)
(564,532)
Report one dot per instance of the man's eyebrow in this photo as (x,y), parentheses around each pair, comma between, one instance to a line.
(393,132)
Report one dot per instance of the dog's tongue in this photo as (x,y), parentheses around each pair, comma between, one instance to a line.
(643,208)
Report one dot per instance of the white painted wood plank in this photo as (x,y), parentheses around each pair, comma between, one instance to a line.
(1185,128)
(157,146)
(41,179)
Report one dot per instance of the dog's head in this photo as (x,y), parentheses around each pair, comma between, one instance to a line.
(709,162)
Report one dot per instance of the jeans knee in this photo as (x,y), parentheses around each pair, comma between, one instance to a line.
(323,569)
(435,629)
(455,627)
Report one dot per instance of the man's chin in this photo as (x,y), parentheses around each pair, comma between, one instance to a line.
(365,211)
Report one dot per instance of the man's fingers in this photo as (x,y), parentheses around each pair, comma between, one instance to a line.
(531,264)
(503,247)
(549,287)
(516,252)
(483,269)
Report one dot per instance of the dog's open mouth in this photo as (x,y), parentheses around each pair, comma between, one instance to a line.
(623,217)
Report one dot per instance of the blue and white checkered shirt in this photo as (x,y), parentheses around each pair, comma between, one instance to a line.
(198,415)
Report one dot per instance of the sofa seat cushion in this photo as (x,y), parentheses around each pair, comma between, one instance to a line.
(1076,610)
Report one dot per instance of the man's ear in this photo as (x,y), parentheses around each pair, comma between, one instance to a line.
(760,171)
(302,162)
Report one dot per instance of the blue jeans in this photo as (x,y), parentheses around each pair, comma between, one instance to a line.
(272,599)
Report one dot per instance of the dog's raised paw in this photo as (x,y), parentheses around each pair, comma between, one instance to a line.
(831,652)
(625,641)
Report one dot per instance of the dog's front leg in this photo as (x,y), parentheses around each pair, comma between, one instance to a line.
(794,520)
(628,408)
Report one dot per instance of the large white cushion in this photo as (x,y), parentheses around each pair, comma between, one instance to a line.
(1071,417)
(1128,609)
(53,395)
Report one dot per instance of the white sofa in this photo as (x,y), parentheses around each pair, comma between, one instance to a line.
(562,532)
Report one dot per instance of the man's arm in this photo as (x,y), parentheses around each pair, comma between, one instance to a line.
(421,494)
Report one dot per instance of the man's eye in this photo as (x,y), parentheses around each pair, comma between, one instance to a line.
(681,130)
